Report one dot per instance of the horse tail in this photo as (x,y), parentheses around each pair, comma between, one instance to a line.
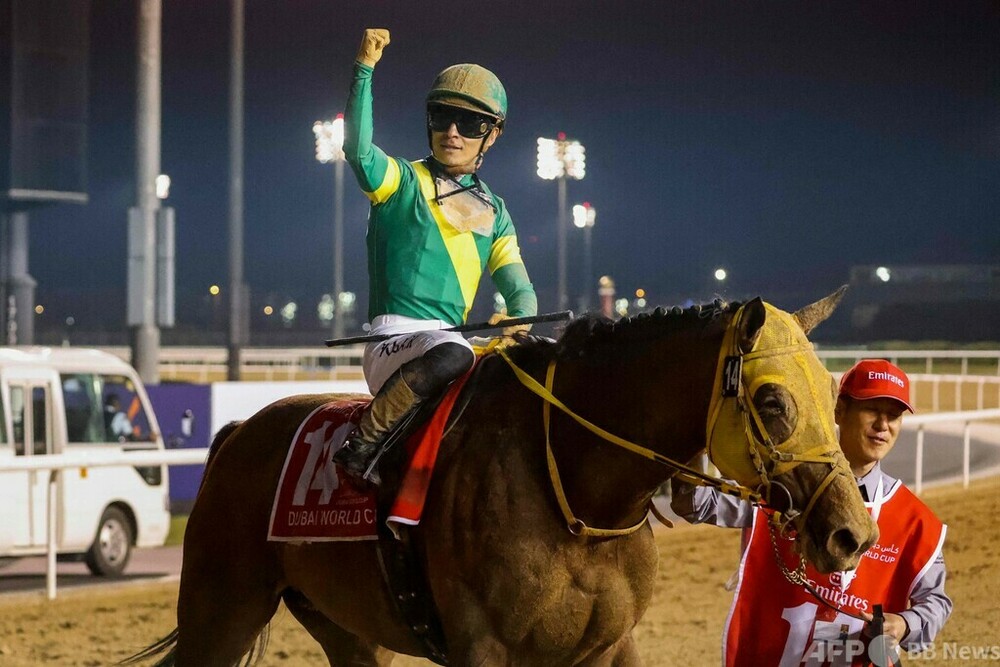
(217,441)
(168,642)
(220,438)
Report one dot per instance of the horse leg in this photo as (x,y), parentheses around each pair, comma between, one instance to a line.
(624,653)
(340,646)
(485,650)
(219,633)
(219,616)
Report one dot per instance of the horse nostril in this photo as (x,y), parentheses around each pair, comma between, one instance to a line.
(843,543)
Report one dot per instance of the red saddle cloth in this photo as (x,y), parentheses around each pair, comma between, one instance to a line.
(316,501)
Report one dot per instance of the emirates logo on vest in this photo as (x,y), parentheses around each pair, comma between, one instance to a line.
(842,580)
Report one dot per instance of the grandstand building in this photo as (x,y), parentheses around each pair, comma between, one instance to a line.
(946,302)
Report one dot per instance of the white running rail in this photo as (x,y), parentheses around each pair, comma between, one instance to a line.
(919,380)
(966,418)
(56,463)
(270,363)
(989,360)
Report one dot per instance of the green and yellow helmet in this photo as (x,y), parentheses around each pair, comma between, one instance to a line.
(471,87)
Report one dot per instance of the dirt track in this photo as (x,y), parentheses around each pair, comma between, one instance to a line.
(682,627)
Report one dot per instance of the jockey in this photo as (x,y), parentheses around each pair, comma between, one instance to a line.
(433,228)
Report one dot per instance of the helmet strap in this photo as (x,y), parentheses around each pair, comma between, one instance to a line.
(483,147)
(482,152)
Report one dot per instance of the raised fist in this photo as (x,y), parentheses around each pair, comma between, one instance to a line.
(372,43)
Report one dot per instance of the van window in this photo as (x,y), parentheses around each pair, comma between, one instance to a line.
(41,433)
(3,424)
(40,420)
(103,408)
(17,418)
(84,421)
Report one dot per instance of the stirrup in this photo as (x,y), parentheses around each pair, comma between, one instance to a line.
(359,460)
(370,473)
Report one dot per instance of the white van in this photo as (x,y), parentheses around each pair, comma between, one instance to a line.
(56,400)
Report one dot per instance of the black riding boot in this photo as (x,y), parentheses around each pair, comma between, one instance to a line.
(394,403)
(403,394)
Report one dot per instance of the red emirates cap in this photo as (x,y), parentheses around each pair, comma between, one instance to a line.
(876,378)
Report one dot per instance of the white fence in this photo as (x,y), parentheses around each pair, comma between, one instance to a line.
(56,463)
(984,399)
(965,418)
(986,361)
(953,387)
(203,364)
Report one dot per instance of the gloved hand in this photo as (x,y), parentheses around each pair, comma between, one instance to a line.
(511,335)
(372,43)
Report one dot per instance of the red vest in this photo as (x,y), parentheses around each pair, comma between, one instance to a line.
(773,623)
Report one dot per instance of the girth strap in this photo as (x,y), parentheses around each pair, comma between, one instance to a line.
(407,581)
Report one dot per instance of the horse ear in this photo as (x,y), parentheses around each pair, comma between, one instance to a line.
(751,324)
(810,316)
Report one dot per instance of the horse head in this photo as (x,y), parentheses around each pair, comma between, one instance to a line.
(771,428)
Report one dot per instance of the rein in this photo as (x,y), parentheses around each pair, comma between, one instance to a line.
(797,577)
(729,383)
(576,525)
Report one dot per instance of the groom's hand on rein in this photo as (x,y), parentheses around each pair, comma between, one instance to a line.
(510,335)
(894,625)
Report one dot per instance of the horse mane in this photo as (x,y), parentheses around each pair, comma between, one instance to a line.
(591,333)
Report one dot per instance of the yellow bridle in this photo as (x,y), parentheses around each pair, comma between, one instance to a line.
(768,460)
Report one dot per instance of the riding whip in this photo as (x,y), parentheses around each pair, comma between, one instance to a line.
(478,326)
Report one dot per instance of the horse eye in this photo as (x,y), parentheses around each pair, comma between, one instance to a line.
(777,409)
(773,405)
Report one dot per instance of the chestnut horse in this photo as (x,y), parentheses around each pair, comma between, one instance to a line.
(516,572)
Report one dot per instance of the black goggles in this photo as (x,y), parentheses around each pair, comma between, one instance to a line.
(469,124)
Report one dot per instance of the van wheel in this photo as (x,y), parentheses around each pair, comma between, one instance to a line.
(112,547)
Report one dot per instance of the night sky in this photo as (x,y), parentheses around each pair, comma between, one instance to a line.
(784,141)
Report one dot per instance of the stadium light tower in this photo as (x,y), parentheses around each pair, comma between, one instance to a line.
(560,159)
(330,148)
(584,216)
